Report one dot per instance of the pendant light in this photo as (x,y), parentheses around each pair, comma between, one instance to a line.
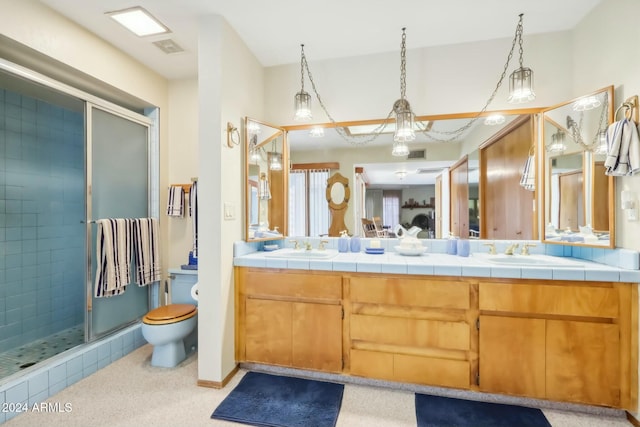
(404,116)
(521,80)
(302,100)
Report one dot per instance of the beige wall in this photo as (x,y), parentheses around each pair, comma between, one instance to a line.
(182,163)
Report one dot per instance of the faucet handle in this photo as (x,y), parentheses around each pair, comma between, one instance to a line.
(296,245)
(525,248)
(321,245)
(492,248)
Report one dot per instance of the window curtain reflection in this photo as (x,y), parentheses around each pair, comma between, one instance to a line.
(308,207)
(391,207)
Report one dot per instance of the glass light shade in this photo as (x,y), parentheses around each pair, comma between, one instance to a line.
(302,106)
(557,143)
(275,161)
(404,127)
(400,149)
(255,155)
(603,147)
(316,132)
(586,103)
(521,86)
(253,128)
(494,119)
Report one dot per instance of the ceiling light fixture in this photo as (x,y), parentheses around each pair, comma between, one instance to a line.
(586,103)
(494,119)
(401,174)
(139,21)
(316,132)
(521,80)
(521,90)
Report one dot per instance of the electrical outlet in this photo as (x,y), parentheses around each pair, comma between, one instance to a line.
(632,214)
(229,211)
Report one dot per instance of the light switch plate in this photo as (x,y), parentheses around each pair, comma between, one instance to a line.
(229,211)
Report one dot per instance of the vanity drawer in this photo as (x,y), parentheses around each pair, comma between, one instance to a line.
(293,285)
(411,369)
(407,332)
(410,292)
(599,300)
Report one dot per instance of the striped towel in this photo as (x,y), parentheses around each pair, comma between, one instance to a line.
(146,251)
(113,255)
(175,204)
(193,212)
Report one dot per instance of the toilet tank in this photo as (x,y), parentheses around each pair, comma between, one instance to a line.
(181,284)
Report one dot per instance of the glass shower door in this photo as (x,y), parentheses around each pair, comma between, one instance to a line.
(118,172)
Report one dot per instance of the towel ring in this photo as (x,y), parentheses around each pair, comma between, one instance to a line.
(629,106)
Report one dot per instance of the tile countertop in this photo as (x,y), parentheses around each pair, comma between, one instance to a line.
(441,264)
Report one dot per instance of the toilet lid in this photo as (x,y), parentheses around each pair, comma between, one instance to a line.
(170,314)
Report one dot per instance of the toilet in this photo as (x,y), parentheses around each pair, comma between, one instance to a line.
(167,328)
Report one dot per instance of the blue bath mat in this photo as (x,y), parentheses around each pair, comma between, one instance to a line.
(435,411)
(276,401)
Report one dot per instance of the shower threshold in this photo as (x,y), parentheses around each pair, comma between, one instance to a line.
(32,353)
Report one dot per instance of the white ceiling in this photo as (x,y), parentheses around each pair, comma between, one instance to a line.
(273,30)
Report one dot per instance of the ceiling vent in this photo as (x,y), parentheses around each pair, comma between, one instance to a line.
(428,170)
(168,46)
(417,154)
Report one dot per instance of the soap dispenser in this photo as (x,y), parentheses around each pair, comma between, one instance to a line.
(355,244)
(452,244)
(343,242)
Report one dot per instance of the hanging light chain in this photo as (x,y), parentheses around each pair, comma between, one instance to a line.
(457,132)
(355,140)
(403,65)
(303,60)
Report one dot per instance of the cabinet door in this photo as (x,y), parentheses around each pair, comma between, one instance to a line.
(583,362)
(268,331)
(512,355)
(317,336)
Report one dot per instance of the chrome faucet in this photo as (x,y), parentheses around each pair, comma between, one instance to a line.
(525,248)
(321,245)
(296,245)
(492,248)
(512,247)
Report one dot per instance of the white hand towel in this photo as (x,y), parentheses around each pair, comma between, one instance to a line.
(175,203)
(623,141)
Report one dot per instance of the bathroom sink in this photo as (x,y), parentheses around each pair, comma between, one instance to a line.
(304,254)
(526,260)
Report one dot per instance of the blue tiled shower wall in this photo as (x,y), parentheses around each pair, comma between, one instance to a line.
(66,369)
(42,203)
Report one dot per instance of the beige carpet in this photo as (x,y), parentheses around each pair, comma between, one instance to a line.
(130,392)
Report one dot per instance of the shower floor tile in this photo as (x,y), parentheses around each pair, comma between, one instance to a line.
(27,355)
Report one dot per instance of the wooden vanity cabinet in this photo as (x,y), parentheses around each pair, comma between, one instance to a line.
(289,319)
(566,341)
(417,330)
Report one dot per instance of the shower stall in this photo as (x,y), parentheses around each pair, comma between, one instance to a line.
(66,159)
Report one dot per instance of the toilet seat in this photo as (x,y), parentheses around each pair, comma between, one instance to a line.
(171,313)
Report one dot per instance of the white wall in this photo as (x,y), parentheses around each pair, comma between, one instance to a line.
(605,53)
(230,87)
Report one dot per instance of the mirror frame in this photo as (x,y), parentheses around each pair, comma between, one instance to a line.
(285,179)
(545,175)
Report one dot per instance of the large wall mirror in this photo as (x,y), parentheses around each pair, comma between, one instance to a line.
(400,190)
(266,172)
(578,196)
